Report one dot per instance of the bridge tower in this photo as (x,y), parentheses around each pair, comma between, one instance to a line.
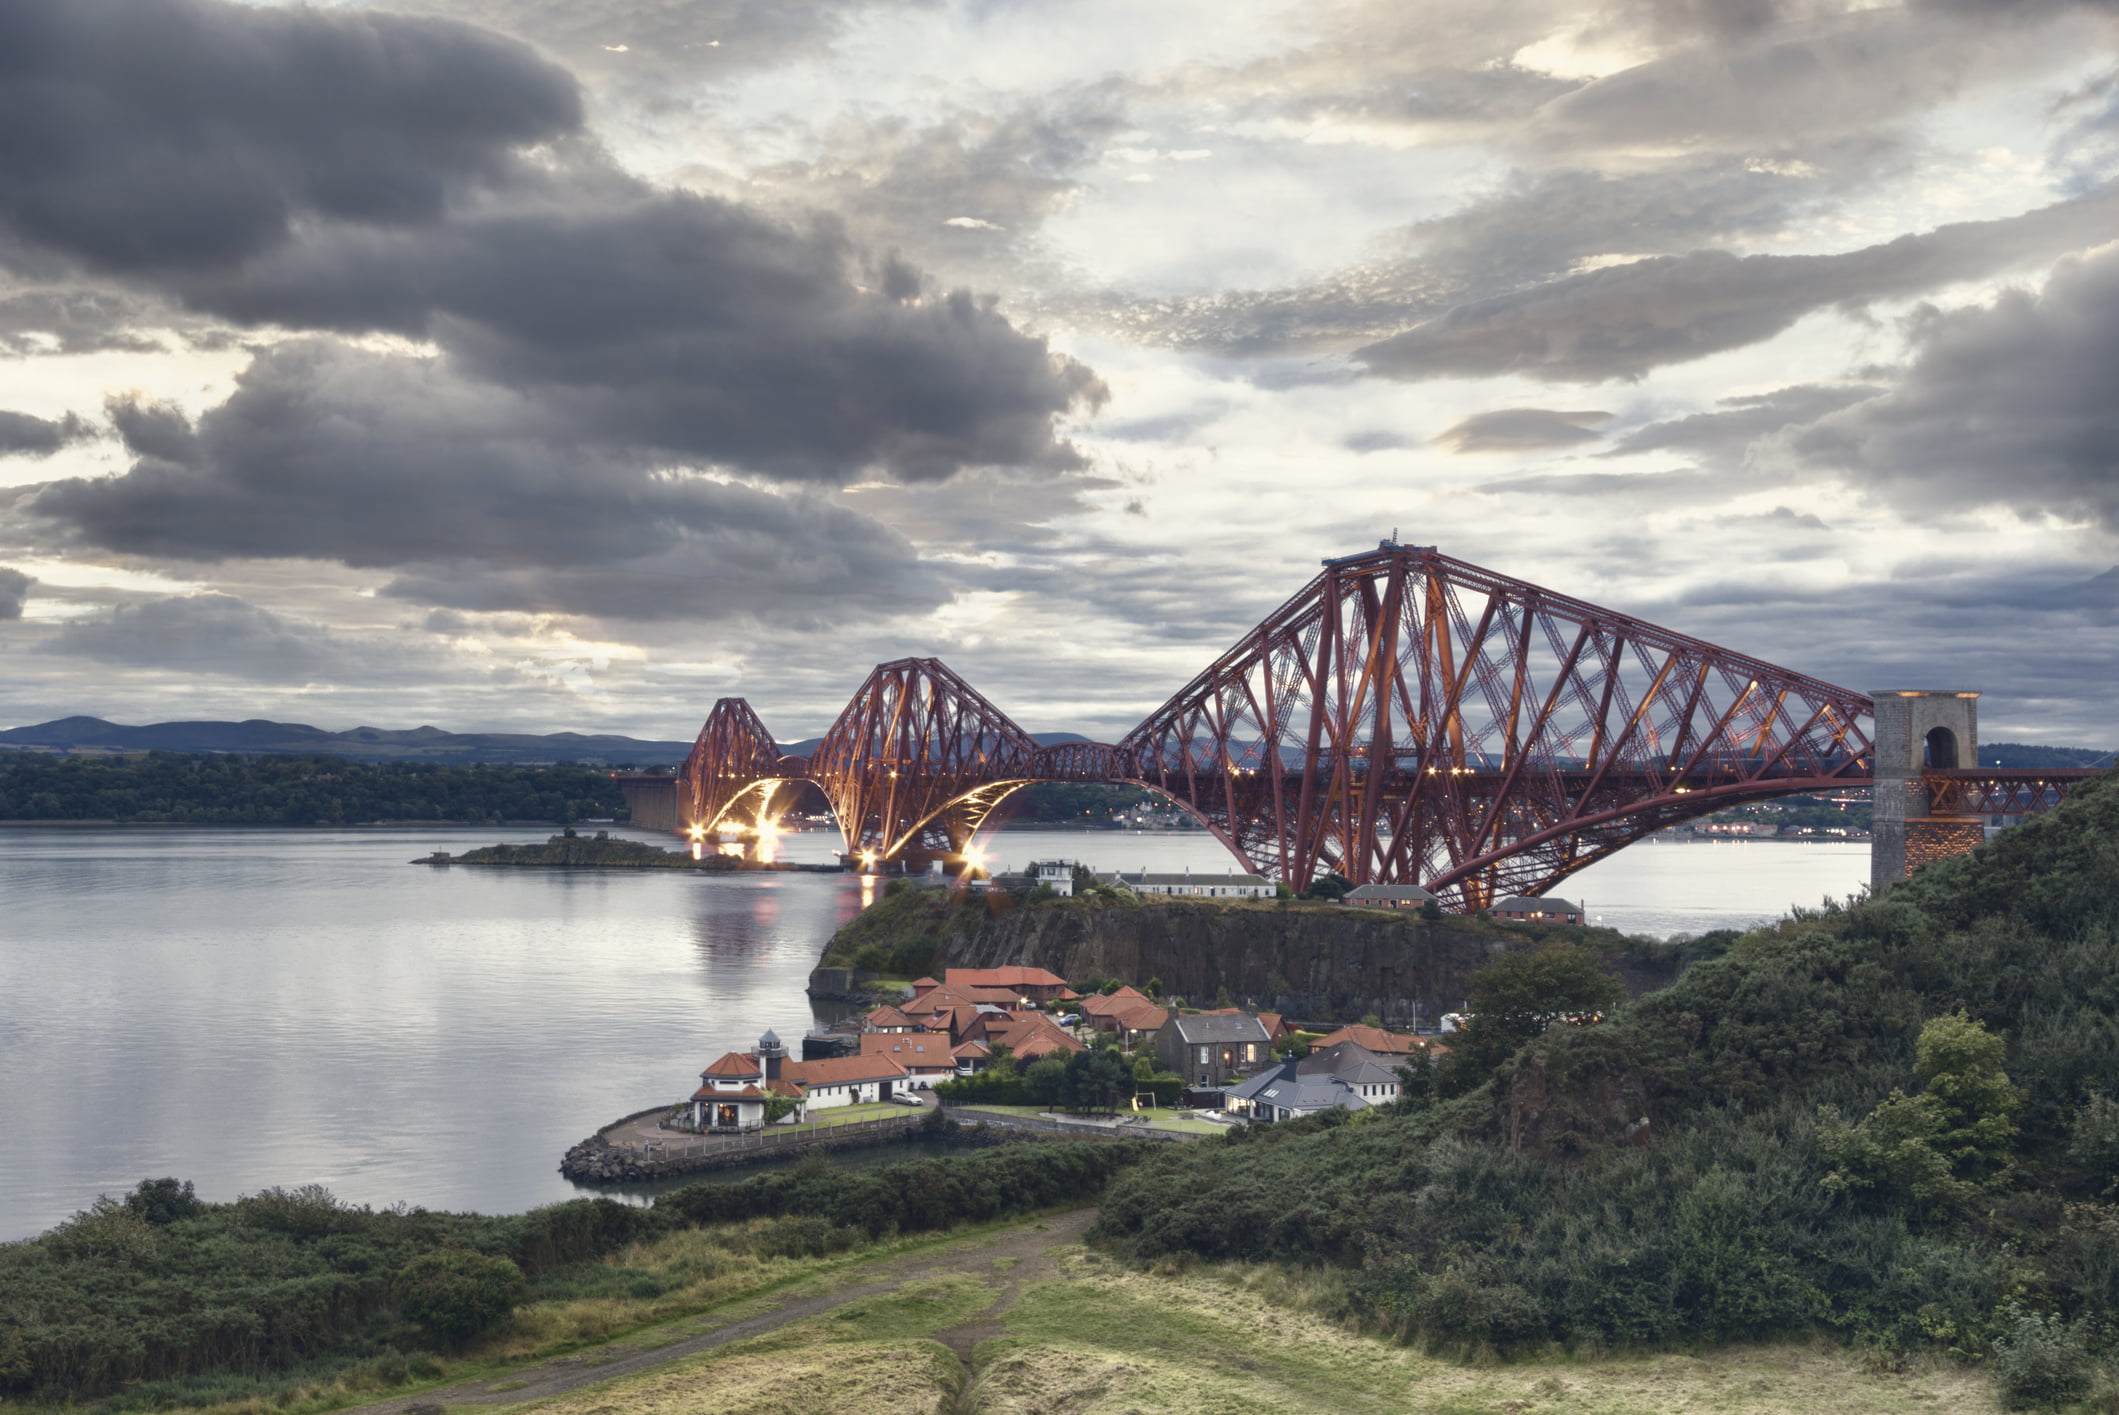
(1919,730)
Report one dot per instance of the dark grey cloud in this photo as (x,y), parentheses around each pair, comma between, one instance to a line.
(72,318)
(156,135)
(364,172)
(1743,420)
(2006,405)
(693,326)
(1623,321)
(1522,430)
(25,435)
(14,589)
(478,497)
(203,633)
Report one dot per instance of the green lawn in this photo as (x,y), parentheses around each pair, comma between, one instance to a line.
(848,1114)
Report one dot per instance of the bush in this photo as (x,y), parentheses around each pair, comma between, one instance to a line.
(455,1294)
(2041,1360)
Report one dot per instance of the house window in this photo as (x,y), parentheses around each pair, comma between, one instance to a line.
(1202,1056)
(724,1115)
(1250,1051)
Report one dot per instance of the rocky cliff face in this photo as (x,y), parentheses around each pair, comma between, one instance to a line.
(1315,962)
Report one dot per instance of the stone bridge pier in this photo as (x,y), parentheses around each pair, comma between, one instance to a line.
(1918,731)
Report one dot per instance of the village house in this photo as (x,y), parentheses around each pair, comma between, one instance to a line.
(731,1095)
(1055,875)
(1276,1026)
(889,1019)
(1029,1036)
(845,1080)
(1025,986)
(1372,1077)
(970,1058)
(1522,909)
(1187,884)
(733,1092)
(1207,1048)
(1373,1039)
(924,1055)
(1387,896)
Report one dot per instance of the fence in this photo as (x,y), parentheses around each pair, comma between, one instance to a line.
(771,1138)
(1073,1130)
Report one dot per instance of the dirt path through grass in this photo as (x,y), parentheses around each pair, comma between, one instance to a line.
(1007,1259)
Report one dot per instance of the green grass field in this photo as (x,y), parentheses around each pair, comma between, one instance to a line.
(1064,1329)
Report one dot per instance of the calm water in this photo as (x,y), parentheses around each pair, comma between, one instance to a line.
(253,1007)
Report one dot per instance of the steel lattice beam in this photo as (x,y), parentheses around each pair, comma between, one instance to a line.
(1405,718)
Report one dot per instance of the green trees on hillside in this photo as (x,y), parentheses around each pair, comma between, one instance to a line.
(1892,1122)
(214,789)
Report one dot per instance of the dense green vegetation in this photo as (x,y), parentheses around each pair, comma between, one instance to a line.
(213,789)
(173,1300)
(1891,1121)
(1075,802)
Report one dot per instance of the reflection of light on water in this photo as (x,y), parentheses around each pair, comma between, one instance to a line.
(868,890)
(698,850)
(768,840)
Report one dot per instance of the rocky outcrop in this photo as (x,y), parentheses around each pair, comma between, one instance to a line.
(1312,961)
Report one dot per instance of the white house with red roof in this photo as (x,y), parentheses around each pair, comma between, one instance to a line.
(731,1094)
(846,1080)
(926,1056)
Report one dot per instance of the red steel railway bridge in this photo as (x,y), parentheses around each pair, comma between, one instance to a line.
(1405,718)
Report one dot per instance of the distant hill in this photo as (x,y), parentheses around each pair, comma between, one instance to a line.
(372,744)
(360,743)
(2019,754)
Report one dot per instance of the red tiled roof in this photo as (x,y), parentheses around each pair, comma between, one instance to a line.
(926,982)
(781,1086)
(1011,977)
(1374,1039)
(971,1049)
(735,1064)
(841,1070)
(1033,1034)
(748,1093)
(888,1016)
(913,1050)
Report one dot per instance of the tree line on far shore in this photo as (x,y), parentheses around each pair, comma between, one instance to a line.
(183,788)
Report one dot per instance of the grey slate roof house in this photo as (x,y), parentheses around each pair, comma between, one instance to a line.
(1387,896)
(1523,908)
(1346,1077)
(1207,1048)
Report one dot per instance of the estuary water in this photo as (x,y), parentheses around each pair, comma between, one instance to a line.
(245,1008)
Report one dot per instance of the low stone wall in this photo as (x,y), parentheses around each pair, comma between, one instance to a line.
(597,1161)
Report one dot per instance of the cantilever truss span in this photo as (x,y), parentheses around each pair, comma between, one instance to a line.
(1406,718)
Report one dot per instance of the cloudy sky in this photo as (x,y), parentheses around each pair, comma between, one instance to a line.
(548,364)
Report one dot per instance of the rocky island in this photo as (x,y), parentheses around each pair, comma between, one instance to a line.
(574,852)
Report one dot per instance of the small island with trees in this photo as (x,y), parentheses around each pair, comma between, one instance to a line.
(570,851)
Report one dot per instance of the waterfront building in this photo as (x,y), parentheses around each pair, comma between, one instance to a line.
(1387,896)
(1522,909)
(1189,885)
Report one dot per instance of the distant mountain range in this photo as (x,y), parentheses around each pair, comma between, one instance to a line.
(371,744)
(375,744)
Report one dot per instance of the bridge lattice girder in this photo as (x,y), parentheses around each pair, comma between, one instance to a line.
(1410,718)
(918,760)
(1405,718)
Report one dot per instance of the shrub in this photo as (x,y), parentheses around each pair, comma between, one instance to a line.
(455,1294)
(2040,1360)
